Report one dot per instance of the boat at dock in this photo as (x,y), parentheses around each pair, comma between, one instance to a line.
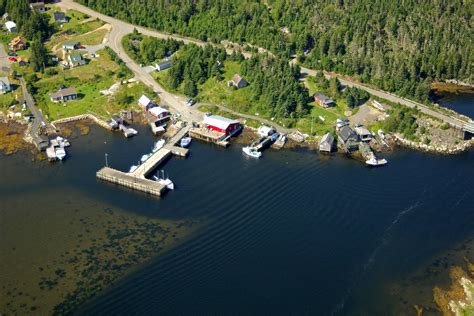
(185,141)
(158,145)
(60,153)
(144,158)
(252,152)
(164,181)
(132,168)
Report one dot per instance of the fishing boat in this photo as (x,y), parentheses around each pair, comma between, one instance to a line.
(132,168)
(374,162)
(158,145)
(252,152)
(60,153)
(185,141)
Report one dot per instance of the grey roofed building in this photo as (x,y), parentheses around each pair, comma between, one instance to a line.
(38,6)
(327,143)
(363,133)
(4,85)
(238,82)
(76,59)
(323,100)
(64,94)
(163,65)
(60,17)
(348,138)
(70,45)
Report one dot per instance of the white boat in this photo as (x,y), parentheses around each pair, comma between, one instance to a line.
(374,162)
(60,153)
(381,134)
(158,145)
(132,168)
(252,152)
(185,141)
(144,158)
(166,182)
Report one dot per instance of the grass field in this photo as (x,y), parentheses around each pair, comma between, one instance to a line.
(99,74)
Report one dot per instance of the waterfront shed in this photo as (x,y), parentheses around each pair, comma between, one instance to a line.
(221,124)
(327,143)
(363,133)
(159,112)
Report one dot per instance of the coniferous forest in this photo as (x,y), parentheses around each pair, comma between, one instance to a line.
(399,46)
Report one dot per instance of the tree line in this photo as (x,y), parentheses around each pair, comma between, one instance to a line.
(398,46)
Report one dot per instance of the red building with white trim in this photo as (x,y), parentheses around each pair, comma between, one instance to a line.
(221,124)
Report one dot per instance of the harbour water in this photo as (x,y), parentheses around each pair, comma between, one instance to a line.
(461,103)
(292,233)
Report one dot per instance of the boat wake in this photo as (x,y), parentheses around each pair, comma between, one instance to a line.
(383,242)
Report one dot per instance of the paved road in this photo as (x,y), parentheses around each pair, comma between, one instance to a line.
(4,63)
(454,121)
(120,29)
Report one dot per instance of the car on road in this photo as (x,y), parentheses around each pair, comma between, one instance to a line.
(190,102)
(12,59)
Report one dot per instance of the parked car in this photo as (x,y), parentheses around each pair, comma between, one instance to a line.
(12,59)
(190,102)
(12,54)
(80,47)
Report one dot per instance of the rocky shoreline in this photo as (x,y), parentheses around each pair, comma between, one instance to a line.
(438,149)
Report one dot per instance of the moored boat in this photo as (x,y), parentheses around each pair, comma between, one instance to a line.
(374,162)
(185,141)
(158,145)
(60,153)
(252,152)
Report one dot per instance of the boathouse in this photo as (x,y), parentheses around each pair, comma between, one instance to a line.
(327,143)
(221,124)
(348,139)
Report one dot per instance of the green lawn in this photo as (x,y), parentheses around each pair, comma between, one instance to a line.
(99,74)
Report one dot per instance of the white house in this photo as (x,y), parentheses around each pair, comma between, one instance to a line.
(4,85)
(11,26)
(265,131)
(159,112)
(145,102)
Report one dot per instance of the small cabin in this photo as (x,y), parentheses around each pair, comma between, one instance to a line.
(237,82)
(10,26)
(323,100)
(64,95)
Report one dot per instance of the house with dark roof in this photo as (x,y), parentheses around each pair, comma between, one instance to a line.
(60,17)
(75,60)
(64,94)
(163,65)
(38,6)
(238,82)
(323,100)
(348,138)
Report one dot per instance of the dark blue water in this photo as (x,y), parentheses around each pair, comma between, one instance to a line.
(294,232)
(291,233)
(461,103)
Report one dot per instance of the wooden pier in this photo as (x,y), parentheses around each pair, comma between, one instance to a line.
(136,180)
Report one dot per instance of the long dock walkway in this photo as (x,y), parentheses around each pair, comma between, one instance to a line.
(137,179)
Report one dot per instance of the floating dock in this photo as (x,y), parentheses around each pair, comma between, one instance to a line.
(136,180)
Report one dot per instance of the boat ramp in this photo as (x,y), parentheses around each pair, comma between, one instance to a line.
(136,179)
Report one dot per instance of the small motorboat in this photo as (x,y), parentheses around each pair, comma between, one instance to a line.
(132,168)
(158,145)
(252,152)
(374,162)
(144,158)
(185,141)
(60,153)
